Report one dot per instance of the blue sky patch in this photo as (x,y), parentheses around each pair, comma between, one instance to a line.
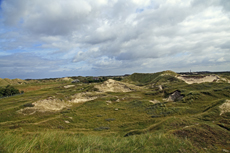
(139,10)
(1,4)
(37,45)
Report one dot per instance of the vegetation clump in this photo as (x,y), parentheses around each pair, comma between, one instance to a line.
(9,91)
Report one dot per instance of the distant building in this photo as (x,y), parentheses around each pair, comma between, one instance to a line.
(95,78)
(75,81)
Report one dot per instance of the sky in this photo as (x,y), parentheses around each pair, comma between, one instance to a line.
(48,39)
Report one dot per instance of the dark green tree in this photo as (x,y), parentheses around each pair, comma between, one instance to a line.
(8,91)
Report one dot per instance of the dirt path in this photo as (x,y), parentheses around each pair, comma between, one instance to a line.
(58,116)
(10,122)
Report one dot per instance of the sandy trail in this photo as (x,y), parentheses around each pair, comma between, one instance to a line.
(47,119)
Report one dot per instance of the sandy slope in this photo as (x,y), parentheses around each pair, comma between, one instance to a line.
(49,104)
(66,79)
(191,80)
(54,104)
(113,86)
(225,107)
(83,97)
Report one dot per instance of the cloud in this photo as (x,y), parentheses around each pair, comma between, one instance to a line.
(21,60)
(24,64)
(49,18)
(114,36)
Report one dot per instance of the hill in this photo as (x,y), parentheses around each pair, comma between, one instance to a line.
(142,113)
(6,81)
(142,79)
(3,82)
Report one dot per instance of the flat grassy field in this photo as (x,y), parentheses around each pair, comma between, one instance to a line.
(142,120)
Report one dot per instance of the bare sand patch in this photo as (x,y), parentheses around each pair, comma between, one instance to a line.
(113,86)
(67,79)
(54,104)
(67,122)
(154,101)
(198,79)
(69,86)
(225,107)
(84,97)
(49,104)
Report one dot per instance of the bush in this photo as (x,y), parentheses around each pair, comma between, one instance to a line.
(8,91)
(117,79)
(28,105)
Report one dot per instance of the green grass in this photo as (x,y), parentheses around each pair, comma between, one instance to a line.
(142,79)
(189,125)
(58,141)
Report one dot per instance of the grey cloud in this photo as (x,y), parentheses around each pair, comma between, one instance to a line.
(49,18)
(25,60)
(100,37)
(13,10)
(225,4)
(121,9)
(204,3)
(160,36)
(225,45)
(27,65)
(104,35)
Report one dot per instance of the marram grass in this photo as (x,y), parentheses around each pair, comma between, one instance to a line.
(51,141)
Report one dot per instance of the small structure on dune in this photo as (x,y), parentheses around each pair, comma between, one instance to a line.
(95,78)
(175,96)
(75,81)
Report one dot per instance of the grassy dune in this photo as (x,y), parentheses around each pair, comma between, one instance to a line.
(117,121)
(59,141)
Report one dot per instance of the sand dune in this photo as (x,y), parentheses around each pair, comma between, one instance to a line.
(198,79)
(113,86)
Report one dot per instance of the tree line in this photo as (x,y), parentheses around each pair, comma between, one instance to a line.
(100,79)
